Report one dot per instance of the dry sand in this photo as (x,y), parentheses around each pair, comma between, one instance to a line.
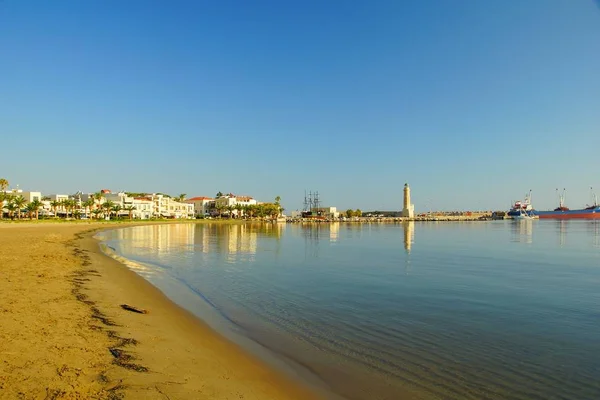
(63,334)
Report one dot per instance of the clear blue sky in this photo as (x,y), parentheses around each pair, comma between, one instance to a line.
(471,102)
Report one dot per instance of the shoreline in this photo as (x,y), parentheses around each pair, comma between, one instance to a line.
(168,352)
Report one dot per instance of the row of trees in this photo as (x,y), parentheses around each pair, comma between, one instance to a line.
(353,213)
(262,210)
(16,206)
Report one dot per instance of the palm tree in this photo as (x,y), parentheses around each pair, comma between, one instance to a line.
(3,197)
(11,208)
(97,212)
(88,205)
(230,209)
(55,204)
(107,206)
(98,196)
(130,210)
(181,197)
(64,207)
(31,209)
(36,205)
(116,208)
(20,202)
(251,210)
(3,184)
(220,208)
(278,205)
(239,209)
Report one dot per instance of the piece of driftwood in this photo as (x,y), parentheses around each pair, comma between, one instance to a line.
(134,309)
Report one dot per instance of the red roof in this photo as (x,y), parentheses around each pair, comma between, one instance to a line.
(199,198)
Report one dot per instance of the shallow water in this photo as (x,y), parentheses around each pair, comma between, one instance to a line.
(483,310)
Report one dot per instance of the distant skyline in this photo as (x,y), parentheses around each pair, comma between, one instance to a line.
(473,103)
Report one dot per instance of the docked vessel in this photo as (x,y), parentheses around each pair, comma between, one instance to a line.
(560,212)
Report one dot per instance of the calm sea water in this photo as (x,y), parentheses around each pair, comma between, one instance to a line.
(485,310)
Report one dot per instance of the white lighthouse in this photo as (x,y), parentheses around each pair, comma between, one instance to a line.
(409,209)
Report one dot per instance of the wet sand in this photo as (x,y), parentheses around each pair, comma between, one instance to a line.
(64,335)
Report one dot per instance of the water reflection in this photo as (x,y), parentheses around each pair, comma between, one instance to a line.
(409,235)
(522,231)
(595,227)
(562,231)
(159,239)
(235,242)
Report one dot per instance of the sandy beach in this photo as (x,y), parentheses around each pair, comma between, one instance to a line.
(64,334)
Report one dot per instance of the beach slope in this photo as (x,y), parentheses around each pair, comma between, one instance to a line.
(64,333)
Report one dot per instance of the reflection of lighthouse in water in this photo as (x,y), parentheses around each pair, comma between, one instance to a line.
(408,211)
(409,235)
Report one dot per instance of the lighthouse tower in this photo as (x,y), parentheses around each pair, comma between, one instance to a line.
(409,209)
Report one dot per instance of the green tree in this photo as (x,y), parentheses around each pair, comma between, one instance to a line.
(116,208)
(219,194)
(20,202)
(230,209)
(239,208)
(88,205)
(31,208)
(11,208)
(55,205)
(220,208)
(97,212)
(3,184)
(181,197)
(358,213)
(3,197)
(278,205)
(130,209)
(98,197)
(349,213)
(36,205)
(107,207)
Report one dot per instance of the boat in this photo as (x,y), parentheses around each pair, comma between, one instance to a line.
(525,215)
(561,212)
(521,208)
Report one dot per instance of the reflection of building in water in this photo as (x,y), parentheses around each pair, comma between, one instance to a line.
(409,235)
(523,231)
(334,231)
(159,239)
(234,241)
(241,239)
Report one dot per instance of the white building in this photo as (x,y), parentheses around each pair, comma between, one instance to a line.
(167,207)
(327,212)
(30,196)
(231,200)
(202,205)
(144,208)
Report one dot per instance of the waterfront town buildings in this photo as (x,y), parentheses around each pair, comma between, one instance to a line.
(139,206)
(202,205)
(207,206)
